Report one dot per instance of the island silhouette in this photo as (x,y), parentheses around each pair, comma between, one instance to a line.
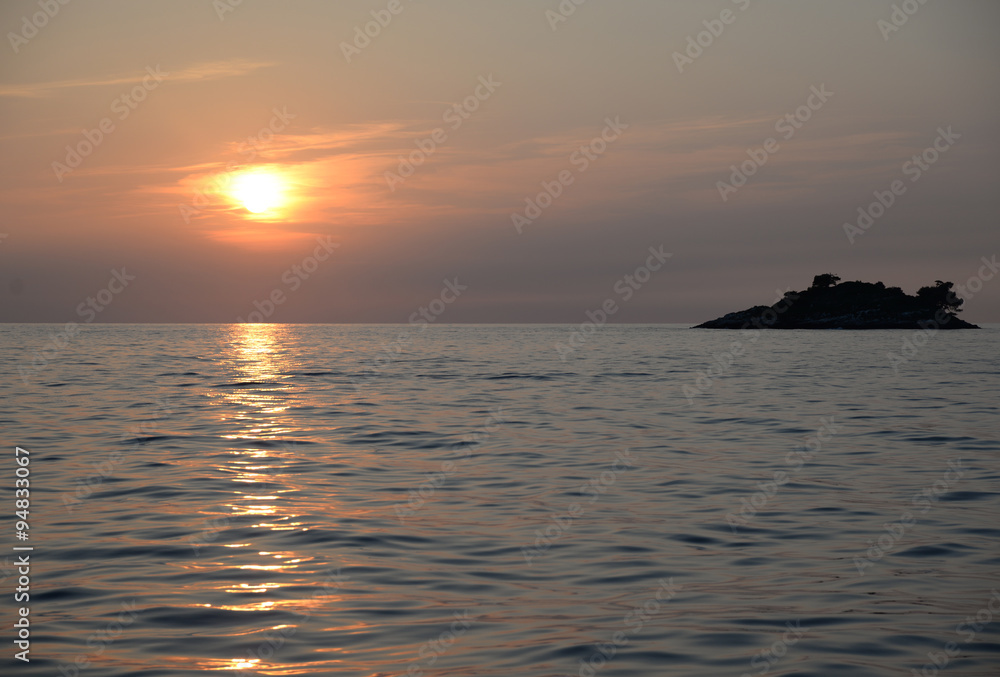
(832,304)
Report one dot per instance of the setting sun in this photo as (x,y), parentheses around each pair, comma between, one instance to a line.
(376,294)
(258,191)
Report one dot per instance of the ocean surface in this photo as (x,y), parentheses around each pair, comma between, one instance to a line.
(381,500)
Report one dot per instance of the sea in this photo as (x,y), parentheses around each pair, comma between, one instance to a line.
(498,500)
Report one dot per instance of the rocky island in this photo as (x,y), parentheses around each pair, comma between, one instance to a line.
(832,304)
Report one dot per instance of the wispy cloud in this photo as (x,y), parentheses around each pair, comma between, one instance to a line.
(212,70)
(338,175)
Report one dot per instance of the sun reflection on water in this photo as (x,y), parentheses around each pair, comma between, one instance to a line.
(253,407)
(266,497)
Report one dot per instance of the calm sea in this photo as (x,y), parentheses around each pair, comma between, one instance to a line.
(380,500)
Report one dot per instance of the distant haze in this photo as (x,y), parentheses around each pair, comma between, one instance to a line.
(268,157)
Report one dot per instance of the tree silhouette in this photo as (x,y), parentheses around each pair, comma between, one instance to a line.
(940,297)
(825,280)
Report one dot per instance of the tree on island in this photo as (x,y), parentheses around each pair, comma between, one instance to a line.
(825,280)
(941,297)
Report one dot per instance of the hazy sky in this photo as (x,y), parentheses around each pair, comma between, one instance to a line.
(182,114)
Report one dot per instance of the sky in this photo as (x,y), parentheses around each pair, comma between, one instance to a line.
(515,160)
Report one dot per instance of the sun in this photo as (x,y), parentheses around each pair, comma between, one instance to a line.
(258,191)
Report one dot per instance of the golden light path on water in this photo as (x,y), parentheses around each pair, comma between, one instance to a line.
(254,410)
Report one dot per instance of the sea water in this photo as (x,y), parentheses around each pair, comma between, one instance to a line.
(472,500)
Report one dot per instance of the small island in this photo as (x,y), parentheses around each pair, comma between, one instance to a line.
(832,304)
